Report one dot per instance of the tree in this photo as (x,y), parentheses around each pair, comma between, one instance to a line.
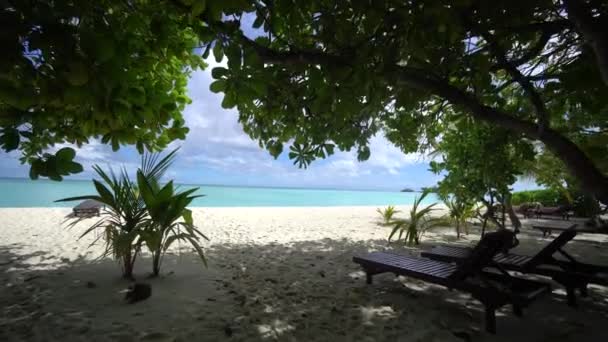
(324,74)
(75,70)
(329,73)
(480,163)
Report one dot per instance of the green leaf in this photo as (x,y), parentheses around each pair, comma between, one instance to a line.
(218,51)
(33,173)
(218,86)
(205,54)
(9,140)
(187,215)
(363,154)
(65,154)
(74,167)
(275,148)
(219,72)
(103,192)
(228,101)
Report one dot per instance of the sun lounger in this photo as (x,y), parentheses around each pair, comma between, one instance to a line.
(548,226)
(563,212)
(88,208)
(493,289)
(570,273)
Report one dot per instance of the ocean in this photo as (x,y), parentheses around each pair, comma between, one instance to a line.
(20,193)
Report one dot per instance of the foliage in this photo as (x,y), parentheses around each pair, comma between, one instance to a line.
(480,164)
(319,76)
(581,204)
(75,70)
(141,212)
(387,214)
(169,220)
(546,197)
(120,220)
(478,159)
(326,75)
(460,211)
(412,228)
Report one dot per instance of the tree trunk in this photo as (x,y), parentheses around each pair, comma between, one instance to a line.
(127,265)
(578,163)
(592,180)
(512,216)
(156,263)
(593,31)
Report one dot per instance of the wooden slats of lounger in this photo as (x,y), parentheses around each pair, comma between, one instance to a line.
(406,265)
(451,253)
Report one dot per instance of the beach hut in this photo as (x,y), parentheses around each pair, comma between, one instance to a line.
(88,208)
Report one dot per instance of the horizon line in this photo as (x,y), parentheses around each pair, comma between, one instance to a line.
(239,185)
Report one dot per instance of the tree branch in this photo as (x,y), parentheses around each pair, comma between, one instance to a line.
(593,30)
(528,55)
(495,49)
(593,181)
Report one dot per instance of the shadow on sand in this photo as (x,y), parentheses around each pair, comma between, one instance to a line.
(304,291)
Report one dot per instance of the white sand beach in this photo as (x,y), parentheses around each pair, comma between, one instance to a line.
(274,274)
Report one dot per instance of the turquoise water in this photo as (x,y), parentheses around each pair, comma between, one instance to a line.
(42,193)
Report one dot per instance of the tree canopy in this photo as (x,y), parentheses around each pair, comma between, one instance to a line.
(326,74)
(337,72)
(75,70)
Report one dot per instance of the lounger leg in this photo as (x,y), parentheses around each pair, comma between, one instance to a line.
(491,320)
(571,296)
(517,310)
(368,277)
(584,292)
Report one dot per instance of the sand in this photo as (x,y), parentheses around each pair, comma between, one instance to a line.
(274,274)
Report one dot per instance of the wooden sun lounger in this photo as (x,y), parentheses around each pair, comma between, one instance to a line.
(493,290)
(570,273)
(557,212)
(547,226)
(88,208)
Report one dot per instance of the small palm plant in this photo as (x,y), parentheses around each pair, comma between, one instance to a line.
(460,211)
(124,211)
(387,214)
(169,219)
(411,229)
(124,214)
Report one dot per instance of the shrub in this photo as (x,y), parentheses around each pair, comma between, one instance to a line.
(141,213)
(546,197)
(411,229)
(169,220)
(120,220)
(387,214)
(460,211)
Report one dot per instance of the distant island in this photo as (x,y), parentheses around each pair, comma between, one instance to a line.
(408,190)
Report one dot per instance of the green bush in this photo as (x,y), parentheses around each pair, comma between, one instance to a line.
(547,197)
(387,214)
(582,205)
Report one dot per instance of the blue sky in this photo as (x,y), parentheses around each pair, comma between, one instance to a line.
(217,151)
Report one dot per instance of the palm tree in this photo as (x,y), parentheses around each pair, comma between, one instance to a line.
(412,228)
(125,212)
(168,219)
